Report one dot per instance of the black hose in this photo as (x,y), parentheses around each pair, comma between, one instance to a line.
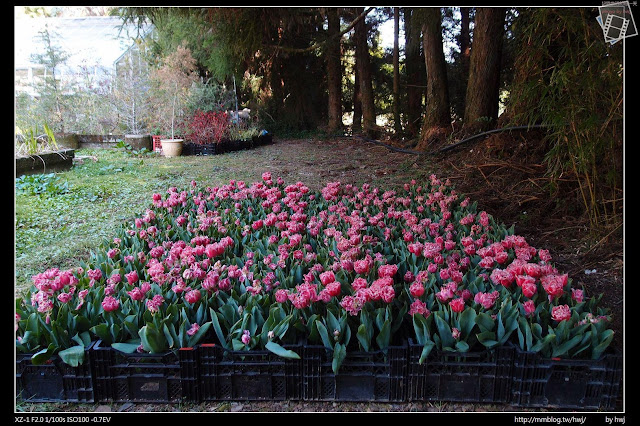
(455,145)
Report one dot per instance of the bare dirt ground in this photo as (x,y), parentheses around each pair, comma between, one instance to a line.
(504,173)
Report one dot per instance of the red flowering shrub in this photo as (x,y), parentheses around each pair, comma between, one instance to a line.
(206,127)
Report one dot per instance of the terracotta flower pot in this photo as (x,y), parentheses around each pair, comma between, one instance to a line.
(172,147)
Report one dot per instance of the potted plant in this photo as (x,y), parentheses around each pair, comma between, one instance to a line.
(242,134)
(204,130)
(38,153)
(173,147)
(172,82)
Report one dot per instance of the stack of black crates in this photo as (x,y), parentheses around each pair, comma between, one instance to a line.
(207,372)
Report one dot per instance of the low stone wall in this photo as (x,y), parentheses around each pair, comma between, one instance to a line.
(138,142)
(110,141)
(45,163)
(99,141)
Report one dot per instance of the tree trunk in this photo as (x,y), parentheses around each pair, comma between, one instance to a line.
(356,127)
(363,63)
(437,119)
(482,99)
(465,40)
(397,124)
(414,66)
(465,54)
(334,72)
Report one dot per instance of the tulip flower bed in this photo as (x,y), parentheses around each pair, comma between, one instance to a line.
(257,269)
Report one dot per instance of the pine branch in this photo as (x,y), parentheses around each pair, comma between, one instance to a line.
(317,45)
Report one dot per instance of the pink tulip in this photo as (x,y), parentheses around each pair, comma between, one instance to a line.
(529,307)
(457,305)
(132,277)
(110,304)
(561,313)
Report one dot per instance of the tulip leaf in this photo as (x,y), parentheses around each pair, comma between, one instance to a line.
(426,350)
(230,313)
(115,332)
(152,339)
(485,322)
(127,348)
(200,313)
(280,351)
(73,356)
(237,345)
(83,338)
(339,354)
(218,329)
(27,339)
(565,347)
(312,328)
(584,344)
(169,334)
(103,333)
(542,343)
(462,346)
(487,339)
(399,318)
(364,337)
(501,329)
(444,331)
(421,329)
(198,335)
(32,324)
(82,323)
(384,336)
(380,318)
(130,326)
(467,322)
(43,355)
(281,328)
(182,334)
(322,330)
(333,322)
(536,330)
(298,274)
(599,349)
(526,339)
(346,336)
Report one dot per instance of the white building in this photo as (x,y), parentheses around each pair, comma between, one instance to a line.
(95,44)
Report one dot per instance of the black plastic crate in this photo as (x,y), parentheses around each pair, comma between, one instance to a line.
(209,149)
(363,376)
(474,377)
(578,384)
(257,375)
(191,148)
(204,149)
(54,381)
(165,377)
(188,148)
